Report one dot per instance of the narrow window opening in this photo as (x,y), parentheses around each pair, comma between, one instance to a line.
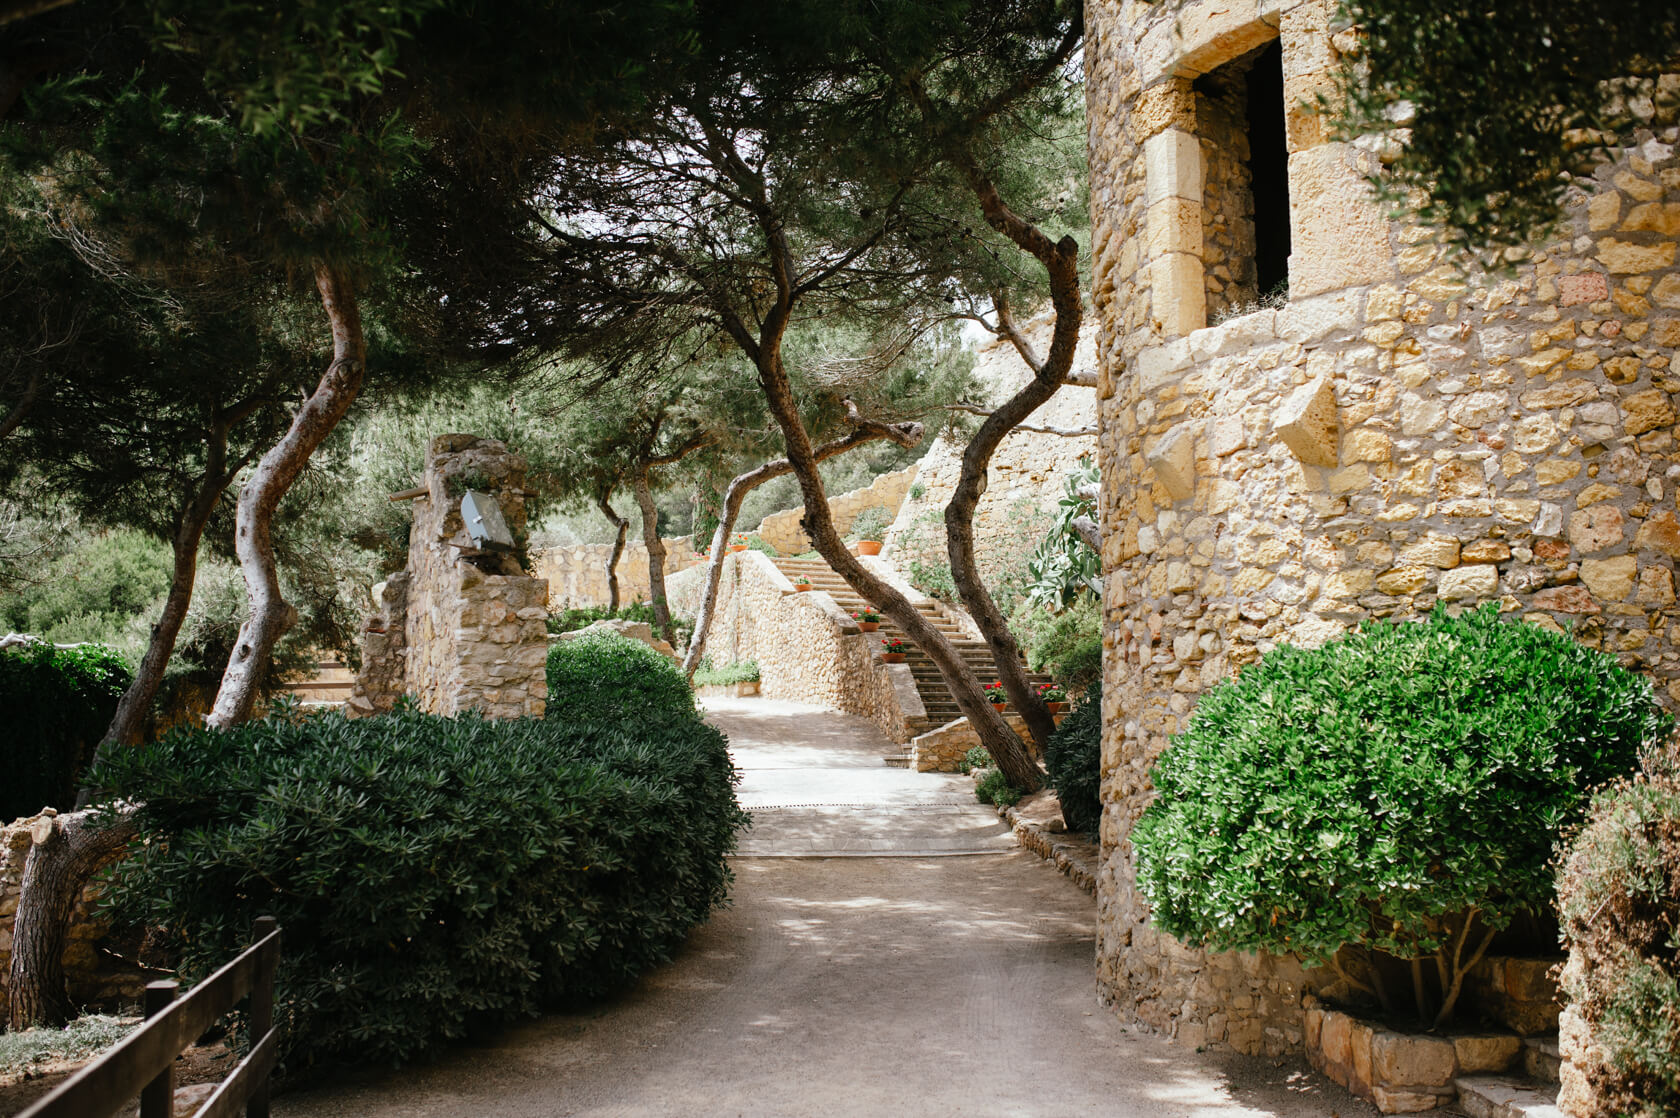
(1245,202)
(1268,165)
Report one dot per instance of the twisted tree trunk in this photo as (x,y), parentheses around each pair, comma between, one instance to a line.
(1061,261)
(656,558)
(271,615)
(621,525)
(64,854)
(904,434)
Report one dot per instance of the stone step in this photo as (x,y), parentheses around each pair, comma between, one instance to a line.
(1541,1058)
(1506,1096)
(897,761)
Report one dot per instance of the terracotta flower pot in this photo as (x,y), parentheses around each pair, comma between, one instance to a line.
(892,657)
(802,586)
(1000,707)
(1057,706)
(869,547)
(869,626)
(737,547)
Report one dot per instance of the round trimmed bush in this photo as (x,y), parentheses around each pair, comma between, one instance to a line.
(58,702)
(602,676)
(1397,790)
(432,875)
(1073,756)
(1619,894)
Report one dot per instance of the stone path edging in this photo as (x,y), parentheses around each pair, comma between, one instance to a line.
(1075,855)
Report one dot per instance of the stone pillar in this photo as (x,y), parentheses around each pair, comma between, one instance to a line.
(466,625)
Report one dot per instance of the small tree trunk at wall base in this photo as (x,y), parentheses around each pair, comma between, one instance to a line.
(64,854)
(656,559)
(622,525)
(271,615)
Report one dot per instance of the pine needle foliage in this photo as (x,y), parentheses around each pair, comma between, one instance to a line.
(1386,791)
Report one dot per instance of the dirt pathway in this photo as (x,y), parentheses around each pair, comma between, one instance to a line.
(903,977)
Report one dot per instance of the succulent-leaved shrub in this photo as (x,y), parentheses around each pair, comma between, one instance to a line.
(1073,756)
(603,676)
(994,788)
(1619,896)
(1398,790)
(58,702)
(431,875)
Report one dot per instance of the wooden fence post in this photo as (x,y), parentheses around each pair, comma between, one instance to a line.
(157,1098)
(262,1008)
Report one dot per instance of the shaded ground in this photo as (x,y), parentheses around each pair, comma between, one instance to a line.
(851,985)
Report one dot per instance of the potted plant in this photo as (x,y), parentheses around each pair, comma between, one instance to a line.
(801,583)
(738,542)
(868,620)
(996,695)
(868,527)
(893,650)
(1053,696)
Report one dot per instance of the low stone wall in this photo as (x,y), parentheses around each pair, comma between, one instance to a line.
(942,750)
(96,979)
(577,576)
(1401,1073)
(807,648)
(781,530)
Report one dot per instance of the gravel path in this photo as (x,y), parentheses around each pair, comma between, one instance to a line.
(870,965)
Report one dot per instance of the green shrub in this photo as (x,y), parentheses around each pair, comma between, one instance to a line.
(432,875)
(756,542)
(870,523)
(602,676)
(27,1052)
(1068,644)
(1073,756)
(1386,791)
(934,580)
(1619,897)
(976,758)
(994,788)
(58,702)
(746,671)
(94,587)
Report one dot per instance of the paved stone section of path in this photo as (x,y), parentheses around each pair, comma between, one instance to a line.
(847,987)
(816,786)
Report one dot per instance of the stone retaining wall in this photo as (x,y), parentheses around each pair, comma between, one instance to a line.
(1398,433)
(781,530)
(577,576)
(807,648)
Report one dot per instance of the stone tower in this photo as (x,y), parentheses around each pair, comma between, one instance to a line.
(1311,416)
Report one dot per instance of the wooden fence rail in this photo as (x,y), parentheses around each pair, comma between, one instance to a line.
(144,1062)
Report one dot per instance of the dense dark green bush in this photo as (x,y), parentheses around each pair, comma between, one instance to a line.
(58,702)
(431,875)
(1619,897)
(603,676)
(1074,757)
(1387,791)
(571,620)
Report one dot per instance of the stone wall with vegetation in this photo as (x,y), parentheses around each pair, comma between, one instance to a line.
(474,633)
(1025,479)
(577,576)
(781,530)
(807,648)
(1400,432)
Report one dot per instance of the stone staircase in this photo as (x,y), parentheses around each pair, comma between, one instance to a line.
(329,686)
(936,697)
(1529,1093)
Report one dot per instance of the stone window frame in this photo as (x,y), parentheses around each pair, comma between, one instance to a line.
(1174,169)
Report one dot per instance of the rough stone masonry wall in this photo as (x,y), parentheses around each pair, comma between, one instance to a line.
(475,629)
(807,648)
(577,576)
(781,530)
(1027,471)
(1396,435)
